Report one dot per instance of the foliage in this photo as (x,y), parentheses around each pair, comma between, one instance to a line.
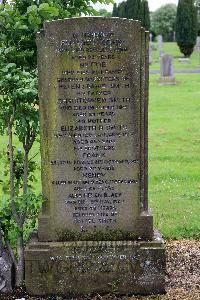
(103,12)
(163,21)
(19,22)
(197,3)
(186,26)
(136,10)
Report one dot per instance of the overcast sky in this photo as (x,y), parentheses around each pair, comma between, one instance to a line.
(153,4)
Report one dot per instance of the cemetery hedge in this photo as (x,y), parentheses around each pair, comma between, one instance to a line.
(174,162)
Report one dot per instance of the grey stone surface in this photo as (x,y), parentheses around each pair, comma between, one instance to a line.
(150,37)
(73,268)
(95,231)
(184,60)
(150,54)
(197,46)
(6,273)
(93,105)
(160,44)
(166,70)
(166,66)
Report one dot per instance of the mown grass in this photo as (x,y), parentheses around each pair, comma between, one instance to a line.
(172,49)
(174,156)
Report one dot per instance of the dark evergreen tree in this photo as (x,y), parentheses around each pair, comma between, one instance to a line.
(144,14)
(115,10)
(186,26)
(133,9)
(122,10)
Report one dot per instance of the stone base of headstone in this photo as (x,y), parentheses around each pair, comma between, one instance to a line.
(83,267)
(6,273)
(184,60)
(167,80)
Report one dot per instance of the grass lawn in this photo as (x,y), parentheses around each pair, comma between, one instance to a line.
(174,156)
(173,49)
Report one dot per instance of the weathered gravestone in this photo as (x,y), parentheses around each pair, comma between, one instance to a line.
(197,46)
(150,53)
(166,70)
(160,44)
(150,37)
(95,231)
(6,272)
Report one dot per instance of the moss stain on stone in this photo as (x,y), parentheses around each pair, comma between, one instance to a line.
(95,235)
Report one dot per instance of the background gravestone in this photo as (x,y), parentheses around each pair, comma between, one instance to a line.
(197,46)
(166,70)
(160,44)
(150,53)
(93,89)
(6,272)
(150,37)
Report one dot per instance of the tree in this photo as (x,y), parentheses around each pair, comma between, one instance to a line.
(144,14)
(115,10)
(186,26)
(133,9)
(19,22)
(163,21)
(103,12)
(122,10)
(197,3)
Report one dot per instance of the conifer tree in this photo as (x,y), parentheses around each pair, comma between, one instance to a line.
(133,9)
(144,14)
(122,10)
(115,10)
(186,26)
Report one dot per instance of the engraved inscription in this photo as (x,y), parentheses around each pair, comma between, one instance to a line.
(90,91)
(91,126)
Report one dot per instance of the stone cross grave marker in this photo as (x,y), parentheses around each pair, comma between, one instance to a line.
(166,70)
(93,90)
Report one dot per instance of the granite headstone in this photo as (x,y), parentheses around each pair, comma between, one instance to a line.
(160,44)
(6,272)
(150,53)
(197,46)
(166,70)
(95,230)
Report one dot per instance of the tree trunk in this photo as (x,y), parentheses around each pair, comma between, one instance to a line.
(1,241)
(25,179)
(21,261)
(12,184)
